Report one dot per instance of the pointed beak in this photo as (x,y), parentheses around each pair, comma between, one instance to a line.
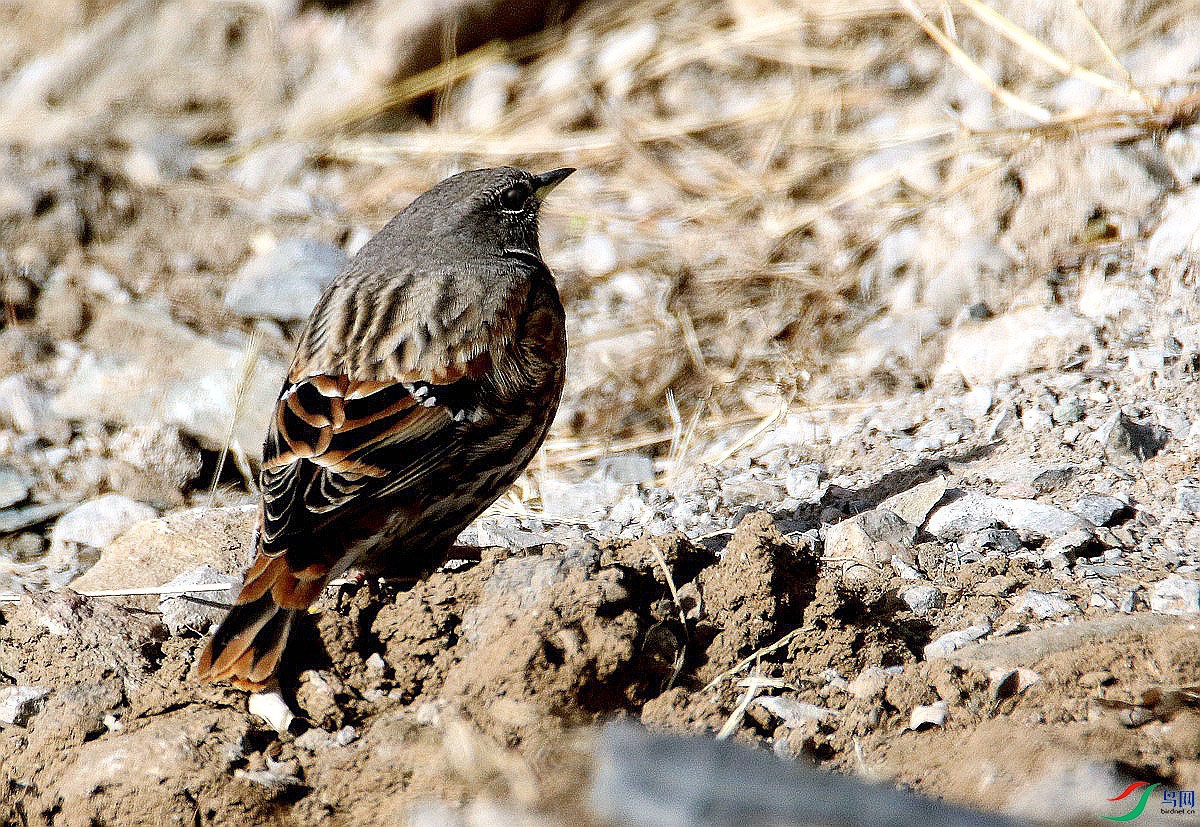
(544,183)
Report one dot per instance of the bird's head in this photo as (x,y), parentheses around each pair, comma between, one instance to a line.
(491,212)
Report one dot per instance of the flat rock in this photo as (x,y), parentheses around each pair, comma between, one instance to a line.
(285,282)
(1175,595)
(142,366)
(914,505)
(1027,648)
(1014,344)
(974,512)
(157,551)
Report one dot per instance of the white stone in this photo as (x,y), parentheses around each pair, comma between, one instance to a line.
(951,641)
(18,704)
(932,715)
(1029,518)
(794,713)
(1014,344)
(285,282)
(82,533)
(1175,595)
(1044,606)
(923,598)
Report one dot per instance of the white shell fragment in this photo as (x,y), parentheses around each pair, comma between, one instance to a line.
(272,708)
(928,716)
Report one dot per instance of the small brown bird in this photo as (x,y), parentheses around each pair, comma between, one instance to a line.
(424,382)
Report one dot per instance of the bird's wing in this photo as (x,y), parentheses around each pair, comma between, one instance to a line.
(349,430)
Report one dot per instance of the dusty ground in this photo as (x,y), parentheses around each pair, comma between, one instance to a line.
(811,264)
(479,683)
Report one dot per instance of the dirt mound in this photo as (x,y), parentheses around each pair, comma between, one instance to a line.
(481,682)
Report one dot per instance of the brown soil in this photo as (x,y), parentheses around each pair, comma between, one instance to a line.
(481,683)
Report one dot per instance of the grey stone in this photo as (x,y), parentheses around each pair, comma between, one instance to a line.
(804,482)
(1069,544)
(645,779)
(951,641)
(18,704)
(867,541)
(1187,497)
(1044,605)
(142,366)
(923,598)
(285,282)
(196,611)
(990,540)
(79,535)
(914,505)
(14,487)
(1029,518)
(1128,440)
(628,469)
(1100,509)
(16,519)
(1175,595)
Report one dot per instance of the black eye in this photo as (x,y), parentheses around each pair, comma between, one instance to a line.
(514,197)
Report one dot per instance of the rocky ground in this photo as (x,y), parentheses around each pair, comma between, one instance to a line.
(874,475)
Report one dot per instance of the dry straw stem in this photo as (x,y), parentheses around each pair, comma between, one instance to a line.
(1013,101)
(141,591)
(1026,41)
(754,656)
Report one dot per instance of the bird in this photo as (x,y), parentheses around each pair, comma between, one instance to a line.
(423,383)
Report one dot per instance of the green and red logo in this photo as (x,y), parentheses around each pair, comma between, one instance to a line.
(1146,789)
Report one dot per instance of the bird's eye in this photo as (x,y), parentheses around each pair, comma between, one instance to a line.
(514,197)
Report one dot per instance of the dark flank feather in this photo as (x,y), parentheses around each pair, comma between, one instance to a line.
(425,380)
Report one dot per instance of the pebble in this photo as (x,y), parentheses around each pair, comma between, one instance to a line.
(1175,595)
(804,482)
(14,487)
(951,641)
(18,704)
(1100,509)
(285,282)
(1043,605)
(931,715)
(792,712)
(921,599)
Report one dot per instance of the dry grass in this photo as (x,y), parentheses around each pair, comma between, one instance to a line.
(759,153)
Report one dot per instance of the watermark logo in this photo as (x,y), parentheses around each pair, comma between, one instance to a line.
(1174,802)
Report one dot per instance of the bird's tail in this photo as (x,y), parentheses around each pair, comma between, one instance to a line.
(246,648)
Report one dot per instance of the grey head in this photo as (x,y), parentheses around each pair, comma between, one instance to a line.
(478,214)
